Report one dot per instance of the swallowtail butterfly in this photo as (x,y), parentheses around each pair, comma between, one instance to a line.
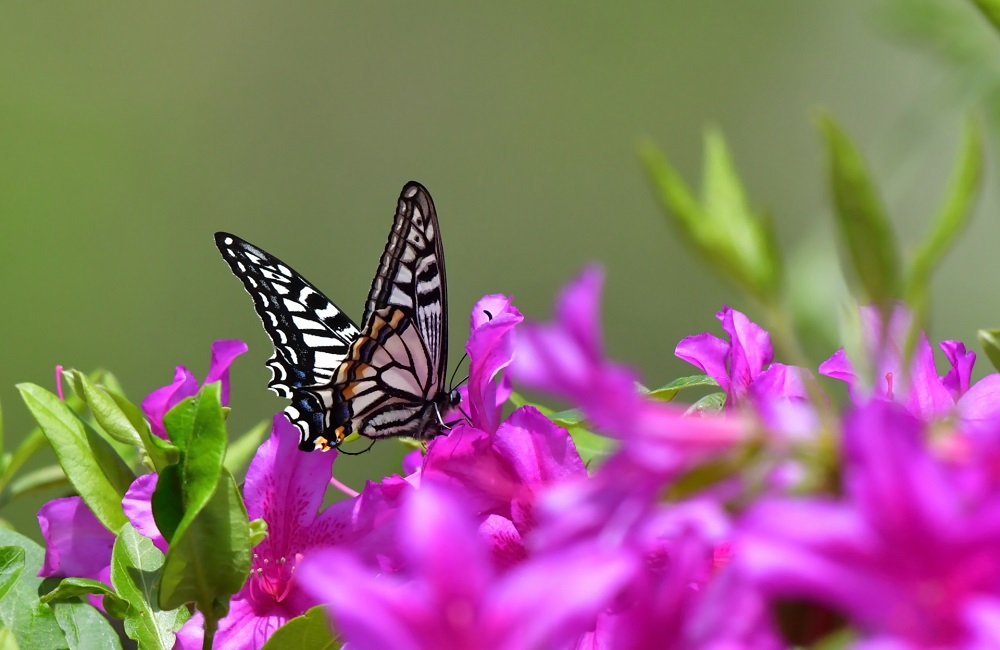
(385,378)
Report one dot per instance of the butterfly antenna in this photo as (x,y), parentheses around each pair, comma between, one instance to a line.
(454,372)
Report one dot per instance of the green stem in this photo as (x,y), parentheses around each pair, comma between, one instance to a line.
(211,625)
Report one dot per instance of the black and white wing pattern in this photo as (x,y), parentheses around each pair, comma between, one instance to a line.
(311,336)
(386,379)
(393,380)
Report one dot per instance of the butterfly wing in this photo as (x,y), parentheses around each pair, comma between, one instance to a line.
(311,335)
(396,369)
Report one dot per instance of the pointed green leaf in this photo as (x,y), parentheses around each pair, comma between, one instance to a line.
(209,556)
(669,391)
(243,448)
(724,228)
(160,452)
(311,630)
(954,213)
(85,627)
(861,217)
(11,566)
(196,425)
(43,478)
(136,567)
(105,410)
(711,403)
(77,587)
(991,10)
(32,623)
(990,342)
(99,475)
(168,501)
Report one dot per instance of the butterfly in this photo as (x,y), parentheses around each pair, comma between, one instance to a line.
(385,378)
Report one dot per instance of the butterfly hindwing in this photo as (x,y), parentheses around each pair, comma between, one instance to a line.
(311,335)
(387,381)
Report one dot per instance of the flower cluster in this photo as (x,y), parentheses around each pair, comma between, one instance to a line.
(689,531)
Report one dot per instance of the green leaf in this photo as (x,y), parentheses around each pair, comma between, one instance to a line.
(991,10)
(97,473)
(85,627)
(990,341)
(258,531)
(209,556)
(733,239)
(952,216)
(43,478)
(861,217)
(311,630)
(196,425)
(77,587)
(32,623)
(11,566)
(669,391)
(242,450)
(136,566)
(711,403)
(105,410)
(160,452)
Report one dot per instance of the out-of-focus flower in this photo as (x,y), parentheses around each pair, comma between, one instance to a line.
(185,385)
(919,388)
(449,595)
(909,554)
(566,359)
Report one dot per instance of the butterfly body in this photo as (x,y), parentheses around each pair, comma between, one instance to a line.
(385,378)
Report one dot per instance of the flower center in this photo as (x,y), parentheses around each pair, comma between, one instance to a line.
(273,577)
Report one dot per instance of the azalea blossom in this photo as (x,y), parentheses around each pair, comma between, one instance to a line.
(449,595)
(743,368)
(285,488)
(908,554)
(566,358)
(161,400)
(919,388)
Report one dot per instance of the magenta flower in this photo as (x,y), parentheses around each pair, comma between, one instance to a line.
(743,368)
(490,347)
(285,488)
(449,595)
(185,385)
(502,474)
(909,554)
(566,359)
(76,543)
(919,388)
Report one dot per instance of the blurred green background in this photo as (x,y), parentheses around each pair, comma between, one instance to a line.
(130,132)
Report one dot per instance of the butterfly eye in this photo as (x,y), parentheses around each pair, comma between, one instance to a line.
(454,398)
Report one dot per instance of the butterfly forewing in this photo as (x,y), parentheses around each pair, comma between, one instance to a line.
(411,277)
(311,335)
